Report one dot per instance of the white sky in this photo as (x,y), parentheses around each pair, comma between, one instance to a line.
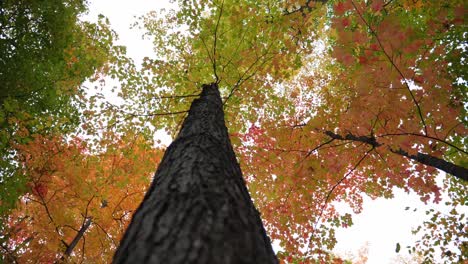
(383,222)
(121,14)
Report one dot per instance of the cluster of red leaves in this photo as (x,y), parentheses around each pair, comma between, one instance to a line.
(390,83)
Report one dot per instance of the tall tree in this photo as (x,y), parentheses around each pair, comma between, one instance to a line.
(381,106)
(198,209)
(324,104)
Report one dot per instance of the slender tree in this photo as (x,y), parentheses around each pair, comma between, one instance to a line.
(198,209)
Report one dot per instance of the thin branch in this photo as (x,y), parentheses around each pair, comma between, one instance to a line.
(170,97)
(235,53)
(105,232)
(394,65)
(207,50)
(86,210)
(325,202)
(241,80)
(319,146)
(424,136)
(451,129)
(71,227)
(51,219)
(121,200)
(134,114)
(215,41)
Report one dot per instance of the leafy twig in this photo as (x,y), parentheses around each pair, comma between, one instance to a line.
(394,65)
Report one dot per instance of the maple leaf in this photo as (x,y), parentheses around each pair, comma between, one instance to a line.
(377,5)
(345,22)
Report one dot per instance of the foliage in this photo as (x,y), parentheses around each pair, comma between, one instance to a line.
(241,45)
(443,233)
(325,101)
(45,55)
(70,187)
(382,85)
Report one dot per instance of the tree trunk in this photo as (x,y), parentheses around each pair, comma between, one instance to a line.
(198,209)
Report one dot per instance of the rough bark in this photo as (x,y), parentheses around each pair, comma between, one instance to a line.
(198,209)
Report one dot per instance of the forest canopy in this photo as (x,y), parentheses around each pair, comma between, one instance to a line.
(325,102)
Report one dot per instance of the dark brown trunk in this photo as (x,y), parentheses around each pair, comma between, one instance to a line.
(198,209)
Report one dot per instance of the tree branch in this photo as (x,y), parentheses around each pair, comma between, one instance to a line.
(77,238)
(428,160)
(457,171)
(327,197)
(215,41)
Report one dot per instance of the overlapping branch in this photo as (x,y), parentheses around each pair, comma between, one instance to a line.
(426,159)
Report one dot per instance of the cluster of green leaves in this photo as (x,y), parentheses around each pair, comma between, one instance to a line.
(51,187)
(45,55)
(244,46)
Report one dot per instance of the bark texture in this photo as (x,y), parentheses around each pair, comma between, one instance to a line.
(198,209)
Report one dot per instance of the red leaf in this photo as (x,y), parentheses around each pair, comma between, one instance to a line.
(345,22)
(40,189)
(362,59)
(374,46)
(339,8)
(377,5)
(418,79)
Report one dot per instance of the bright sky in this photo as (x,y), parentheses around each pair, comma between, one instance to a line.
(122,14)
(382,224)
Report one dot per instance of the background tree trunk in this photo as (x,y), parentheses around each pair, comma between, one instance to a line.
(198,209)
